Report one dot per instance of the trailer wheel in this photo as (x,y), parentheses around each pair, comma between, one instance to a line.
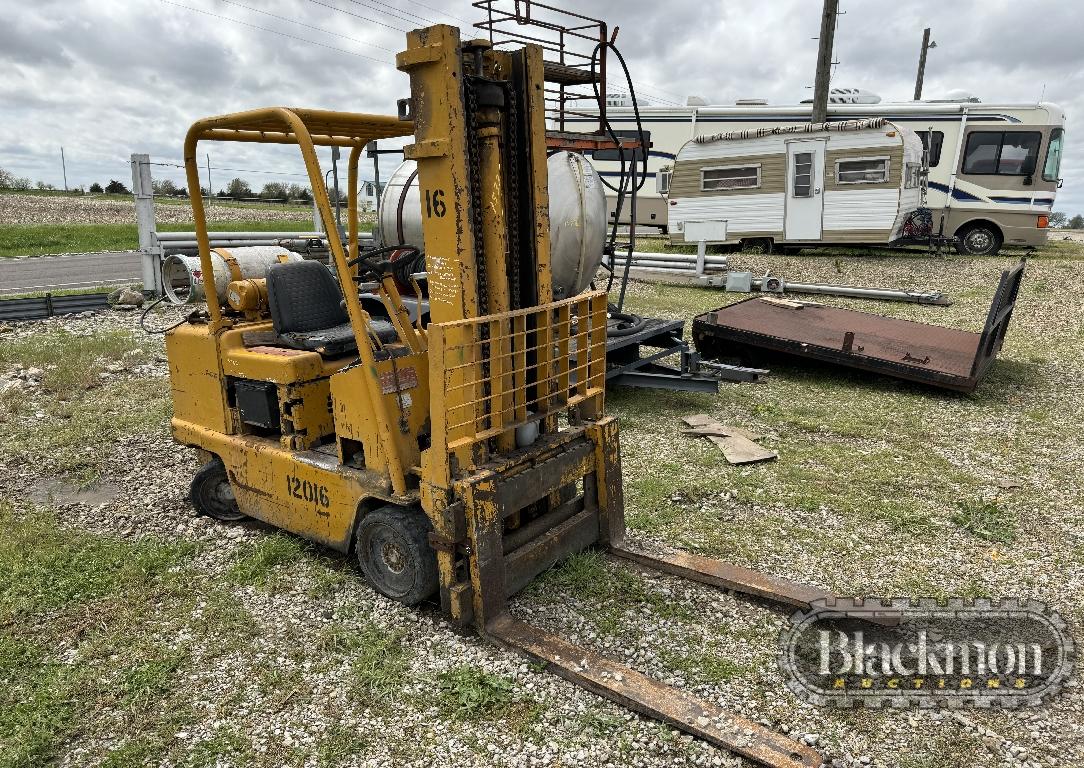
(212,495)
(394,553)
(978,239)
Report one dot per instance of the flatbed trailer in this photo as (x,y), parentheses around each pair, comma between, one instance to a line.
(930,354)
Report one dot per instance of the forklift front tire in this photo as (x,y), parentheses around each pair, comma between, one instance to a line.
(212,495)
(394,553)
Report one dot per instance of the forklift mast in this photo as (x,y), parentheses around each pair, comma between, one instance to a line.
(505,359)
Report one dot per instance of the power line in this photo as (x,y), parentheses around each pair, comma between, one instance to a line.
(357,16)
(649,87)
(235,170)
(309,26)
(275,31)
(445,13)
(394,15)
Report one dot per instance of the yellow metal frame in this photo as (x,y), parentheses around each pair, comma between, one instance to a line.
(309,128)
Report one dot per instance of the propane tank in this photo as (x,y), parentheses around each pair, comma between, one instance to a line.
(577,218)
(183,279)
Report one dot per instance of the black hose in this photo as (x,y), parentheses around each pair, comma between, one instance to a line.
(626,325)
(143,319)
(624,186)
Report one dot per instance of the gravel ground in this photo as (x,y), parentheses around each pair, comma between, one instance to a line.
(57,209)
(860,501)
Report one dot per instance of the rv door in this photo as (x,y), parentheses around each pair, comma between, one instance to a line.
(805,185)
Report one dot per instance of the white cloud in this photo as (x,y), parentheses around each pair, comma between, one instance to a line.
(105,78)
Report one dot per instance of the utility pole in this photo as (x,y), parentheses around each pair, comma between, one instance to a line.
(335,178)
(64,169)
(210,187)
(927,44)
(824,62)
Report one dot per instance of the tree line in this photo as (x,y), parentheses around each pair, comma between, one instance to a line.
(1060,220)
(237,189)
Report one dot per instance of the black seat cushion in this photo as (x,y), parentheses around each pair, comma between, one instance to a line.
(307,313)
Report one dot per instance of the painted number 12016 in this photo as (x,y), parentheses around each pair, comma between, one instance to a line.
(308,491)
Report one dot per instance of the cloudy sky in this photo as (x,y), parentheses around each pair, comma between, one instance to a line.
(105,78)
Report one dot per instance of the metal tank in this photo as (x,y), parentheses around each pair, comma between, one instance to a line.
(577,218)
(182,276)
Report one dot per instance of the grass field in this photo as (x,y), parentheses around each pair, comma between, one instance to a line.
(36,240)
(132,633)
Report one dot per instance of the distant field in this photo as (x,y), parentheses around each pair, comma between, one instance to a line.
(40,239)
(20,209)
(38,223)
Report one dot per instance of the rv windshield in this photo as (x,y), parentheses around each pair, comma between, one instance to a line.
(1052,166)
(1001,152)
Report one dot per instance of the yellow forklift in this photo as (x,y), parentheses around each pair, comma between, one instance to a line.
(445,427)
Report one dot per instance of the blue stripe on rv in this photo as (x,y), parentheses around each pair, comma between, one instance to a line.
(795,118)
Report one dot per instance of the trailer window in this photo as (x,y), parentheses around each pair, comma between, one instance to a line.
(934,148)
(803,174)
(662,181)
(1052,166)
(912,175)
(1001,153)
(866,171)
(730,177)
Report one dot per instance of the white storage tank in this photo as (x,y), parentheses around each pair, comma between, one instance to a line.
(577,218)
(183,279)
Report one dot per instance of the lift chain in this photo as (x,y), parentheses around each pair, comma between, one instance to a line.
(482,276)
(511,173)
(474,159)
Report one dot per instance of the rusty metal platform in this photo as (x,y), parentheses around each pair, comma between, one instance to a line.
(931,354)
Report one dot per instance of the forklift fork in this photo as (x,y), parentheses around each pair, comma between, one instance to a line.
(500,564)
(650,697)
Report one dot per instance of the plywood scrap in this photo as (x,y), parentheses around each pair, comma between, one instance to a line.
(736,443)
(727,431)
(789,304)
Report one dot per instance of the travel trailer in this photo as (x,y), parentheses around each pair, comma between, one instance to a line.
(852,182)
(994,168)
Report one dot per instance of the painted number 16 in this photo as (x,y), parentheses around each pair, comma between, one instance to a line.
(434,203)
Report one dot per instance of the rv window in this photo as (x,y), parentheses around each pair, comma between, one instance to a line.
(872,171)
(935,146)
(730,177)
(803,174)
(1052,166)
(1001,153)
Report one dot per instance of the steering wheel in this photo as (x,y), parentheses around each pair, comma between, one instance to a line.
(379,266)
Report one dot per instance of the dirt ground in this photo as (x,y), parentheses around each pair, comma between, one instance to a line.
(134,633)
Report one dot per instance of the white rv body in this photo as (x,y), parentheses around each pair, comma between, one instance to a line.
(1012,202)
(853,182)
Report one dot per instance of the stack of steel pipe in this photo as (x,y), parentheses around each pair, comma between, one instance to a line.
(683,262)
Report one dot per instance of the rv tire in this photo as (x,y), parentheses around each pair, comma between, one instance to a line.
(978,239)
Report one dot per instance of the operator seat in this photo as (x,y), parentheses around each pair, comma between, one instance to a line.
(307,313)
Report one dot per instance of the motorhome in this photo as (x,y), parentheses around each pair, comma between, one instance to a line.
(846,182)
(994,168)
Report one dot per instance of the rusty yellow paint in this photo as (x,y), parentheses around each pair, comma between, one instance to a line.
(432,60)
(305,492)
(199,391)
(265,362)
(305,414)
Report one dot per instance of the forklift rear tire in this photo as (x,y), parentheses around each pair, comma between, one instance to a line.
(394,553)
(212,495)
